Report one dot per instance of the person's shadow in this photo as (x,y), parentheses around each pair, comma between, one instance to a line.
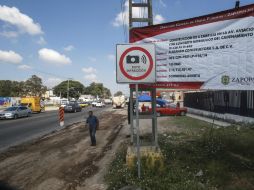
(5,186)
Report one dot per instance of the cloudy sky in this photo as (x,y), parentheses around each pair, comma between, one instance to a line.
(60,39)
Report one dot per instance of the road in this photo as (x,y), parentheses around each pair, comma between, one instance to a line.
(14,132)
(65,160)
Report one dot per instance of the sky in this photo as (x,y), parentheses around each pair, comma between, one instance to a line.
(61,39)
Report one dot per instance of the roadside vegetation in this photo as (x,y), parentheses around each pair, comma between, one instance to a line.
(34,87)
(197,155)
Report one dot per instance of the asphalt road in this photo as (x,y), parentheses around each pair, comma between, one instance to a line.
(14,132)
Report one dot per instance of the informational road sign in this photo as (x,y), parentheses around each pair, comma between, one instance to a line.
(214,51)
(135,63)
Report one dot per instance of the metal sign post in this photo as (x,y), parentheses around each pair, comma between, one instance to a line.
(137,128)
(135,65)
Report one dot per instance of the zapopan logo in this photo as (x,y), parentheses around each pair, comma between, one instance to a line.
(243,80)
(133,59)
(225,79)
(240,80)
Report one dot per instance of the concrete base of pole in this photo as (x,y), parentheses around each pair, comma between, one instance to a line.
(151,157)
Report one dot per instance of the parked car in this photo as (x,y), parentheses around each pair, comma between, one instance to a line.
(170,109)
(15,112)
(108,101)
(72,106)
(83,104)
(94,103)
(100,104)
(63,103)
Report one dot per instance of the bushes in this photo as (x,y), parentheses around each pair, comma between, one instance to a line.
(210,158)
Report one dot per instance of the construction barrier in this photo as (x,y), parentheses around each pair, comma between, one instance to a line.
(61,116)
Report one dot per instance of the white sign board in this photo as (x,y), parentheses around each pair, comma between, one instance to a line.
(135,63)
(216,50)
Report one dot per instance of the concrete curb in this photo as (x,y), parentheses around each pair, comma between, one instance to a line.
(230,118)
(216,122)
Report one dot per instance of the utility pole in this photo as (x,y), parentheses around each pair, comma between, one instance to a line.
(68,88)
(149,21)
(237,4)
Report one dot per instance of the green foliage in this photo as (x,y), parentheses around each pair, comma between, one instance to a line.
(106,93)
(33,87)
(118,93)
(5,89)
(97,89)
(75,89)
(206,158)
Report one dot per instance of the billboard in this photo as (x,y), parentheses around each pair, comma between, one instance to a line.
(214,51)
(9,101)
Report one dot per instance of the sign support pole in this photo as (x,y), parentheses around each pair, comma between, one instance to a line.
(154,119)
(131,116)
(137,128)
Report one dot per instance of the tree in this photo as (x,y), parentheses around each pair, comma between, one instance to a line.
(118,93)
(97,89)
(106,93)
(75,89)
(5,88)
(33,86)
(18,89)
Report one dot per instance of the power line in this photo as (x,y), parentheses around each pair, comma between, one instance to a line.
(47,73)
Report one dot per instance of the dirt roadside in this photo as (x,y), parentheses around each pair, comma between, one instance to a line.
(65,159)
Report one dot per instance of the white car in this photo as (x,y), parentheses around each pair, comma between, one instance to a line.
(100,104)
(93,104)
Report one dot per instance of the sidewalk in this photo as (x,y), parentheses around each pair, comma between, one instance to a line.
(216,122)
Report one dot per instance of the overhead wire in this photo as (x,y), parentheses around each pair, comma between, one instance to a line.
(47,73)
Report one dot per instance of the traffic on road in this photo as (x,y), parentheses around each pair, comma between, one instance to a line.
(16,131)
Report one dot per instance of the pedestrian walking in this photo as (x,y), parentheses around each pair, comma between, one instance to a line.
(93,124)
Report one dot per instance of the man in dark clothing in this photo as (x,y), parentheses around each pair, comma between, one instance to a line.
(93,124)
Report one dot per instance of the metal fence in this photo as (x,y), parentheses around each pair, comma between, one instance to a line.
(234,102)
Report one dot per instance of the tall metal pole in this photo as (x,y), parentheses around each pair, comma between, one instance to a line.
(130,14)
(149,20)
(154,120)
(131,115)
(68,90)
(137,128)
(150,12)
(237,4)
